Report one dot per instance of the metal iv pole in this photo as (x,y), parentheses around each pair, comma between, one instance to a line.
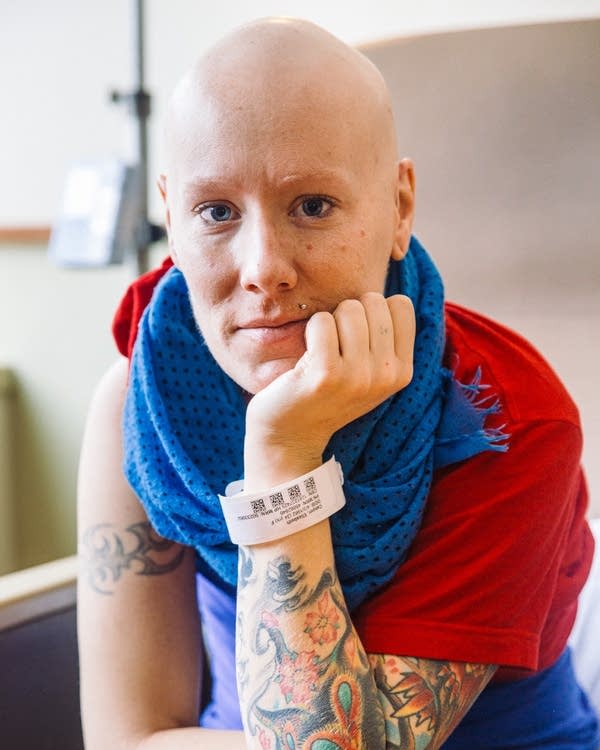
(138,102)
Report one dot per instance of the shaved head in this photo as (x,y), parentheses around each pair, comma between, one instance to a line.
(273,70)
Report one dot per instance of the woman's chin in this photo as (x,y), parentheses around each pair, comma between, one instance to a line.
(265,373)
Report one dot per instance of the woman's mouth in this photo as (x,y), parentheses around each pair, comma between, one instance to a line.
(267,332)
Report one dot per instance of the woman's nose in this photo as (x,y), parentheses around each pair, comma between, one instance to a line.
(266,258)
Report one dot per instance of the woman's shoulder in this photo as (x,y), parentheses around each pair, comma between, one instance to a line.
(527,386)
(132,305)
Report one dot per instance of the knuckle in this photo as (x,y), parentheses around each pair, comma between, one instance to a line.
(354,383)
(322,317)
(326,379)
(400,300)
(405,374)
(396,377)
(348,306)
(371,297)
(362,382)
(401,305)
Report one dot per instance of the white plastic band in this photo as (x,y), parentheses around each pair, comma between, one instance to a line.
(256,517)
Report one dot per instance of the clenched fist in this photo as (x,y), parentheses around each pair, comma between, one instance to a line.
(355,358)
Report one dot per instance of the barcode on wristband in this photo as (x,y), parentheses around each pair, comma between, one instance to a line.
(277,500)
(288,511)
(294,493)
(258,506)
(310,485)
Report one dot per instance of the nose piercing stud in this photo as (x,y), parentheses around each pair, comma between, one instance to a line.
(302,306)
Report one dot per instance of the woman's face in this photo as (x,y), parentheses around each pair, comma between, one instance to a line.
(275,213)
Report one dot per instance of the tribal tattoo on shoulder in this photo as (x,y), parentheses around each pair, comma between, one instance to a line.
(106,552)
(311,686)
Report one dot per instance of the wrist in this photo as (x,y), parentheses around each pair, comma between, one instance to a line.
(268,462)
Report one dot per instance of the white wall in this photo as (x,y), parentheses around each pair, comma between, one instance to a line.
(57,63)
(55,336)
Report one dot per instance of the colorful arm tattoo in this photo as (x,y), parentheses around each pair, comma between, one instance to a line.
(306,683)
(423,699)
(303,678)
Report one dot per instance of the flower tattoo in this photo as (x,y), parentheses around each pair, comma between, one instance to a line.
(322,625)
(297,676)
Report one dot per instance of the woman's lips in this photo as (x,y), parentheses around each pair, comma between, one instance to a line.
(275,334)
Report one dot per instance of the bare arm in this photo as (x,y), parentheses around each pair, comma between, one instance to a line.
(138,626)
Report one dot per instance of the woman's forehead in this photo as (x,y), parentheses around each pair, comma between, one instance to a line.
(251,140)
(281,86)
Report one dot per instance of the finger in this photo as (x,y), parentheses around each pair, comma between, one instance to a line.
(403,317)
(381,326)
(352,330)
(321,337)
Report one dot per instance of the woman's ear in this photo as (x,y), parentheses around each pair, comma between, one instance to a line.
(405,207)
(162,188)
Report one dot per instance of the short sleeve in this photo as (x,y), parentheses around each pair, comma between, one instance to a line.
(494,573)
(132,306)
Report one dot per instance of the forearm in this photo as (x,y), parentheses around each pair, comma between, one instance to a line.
(303,675)
(302,671)
(193,738)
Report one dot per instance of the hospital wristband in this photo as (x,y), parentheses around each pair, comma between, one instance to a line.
(257,517)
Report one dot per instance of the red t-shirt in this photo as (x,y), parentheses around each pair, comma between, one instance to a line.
(504,548)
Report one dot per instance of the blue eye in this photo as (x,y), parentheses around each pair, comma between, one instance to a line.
(313,206)
(217,213)
(220,213)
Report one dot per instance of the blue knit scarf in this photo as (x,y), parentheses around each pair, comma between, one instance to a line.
(184,425)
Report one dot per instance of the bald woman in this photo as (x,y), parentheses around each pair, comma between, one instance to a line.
(297,344)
